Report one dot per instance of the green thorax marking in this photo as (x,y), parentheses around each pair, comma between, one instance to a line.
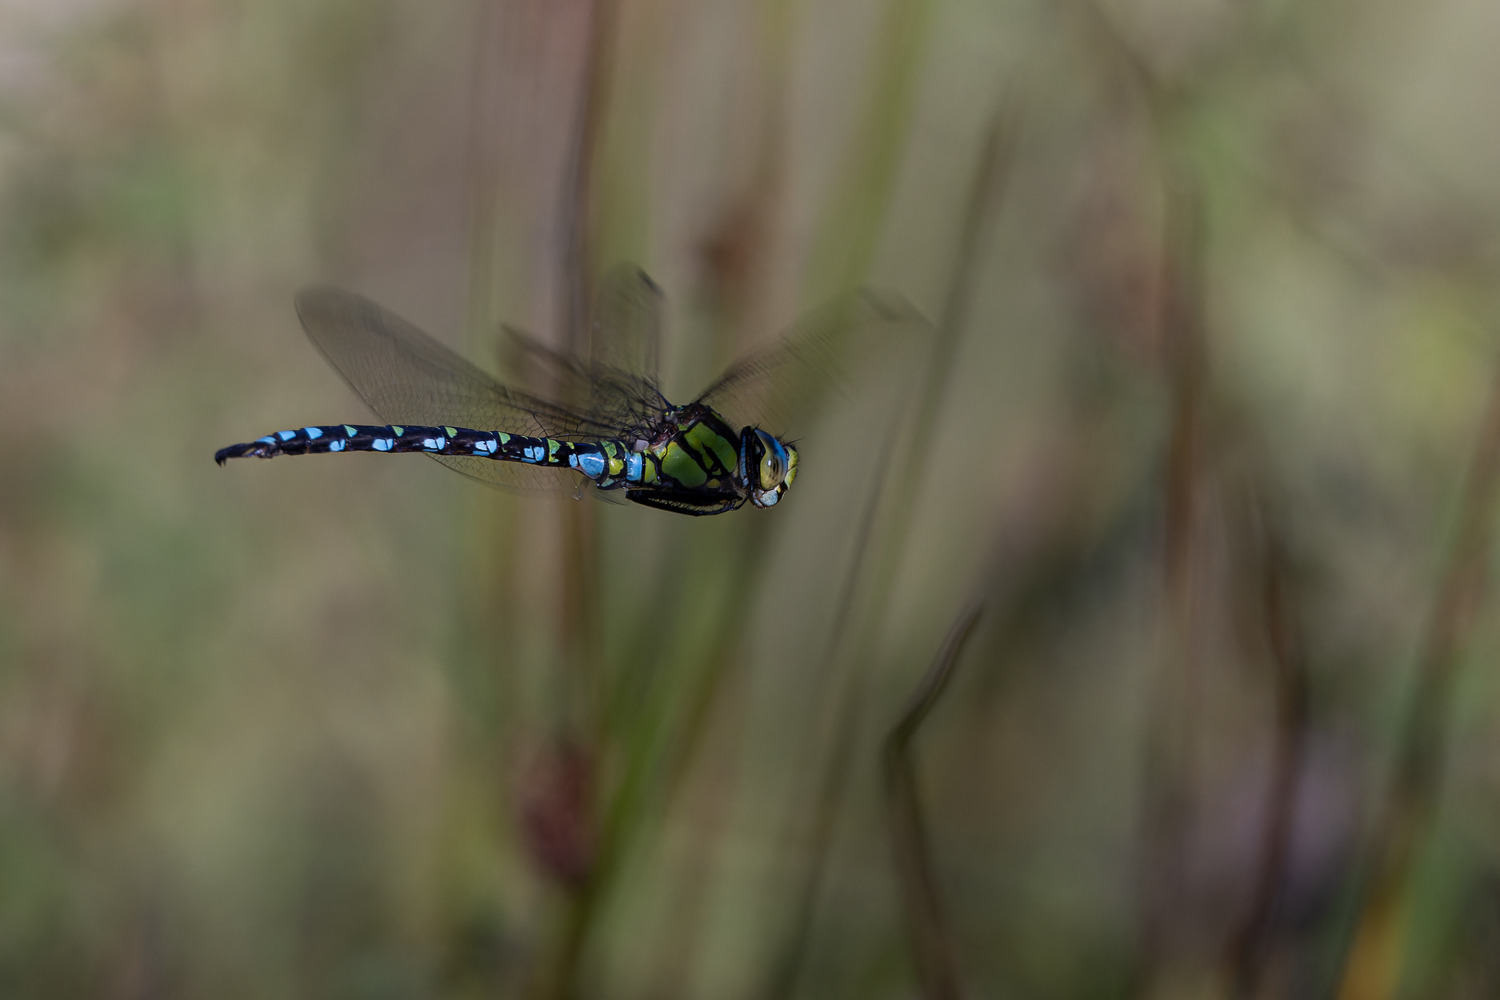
(701,454)
(710,444)
(681,466)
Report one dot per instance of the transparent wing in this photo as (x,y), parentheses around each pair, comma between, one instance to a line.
(513,477)
(625,326)
(617,382)
(620,399)
(407,377)
(781,387)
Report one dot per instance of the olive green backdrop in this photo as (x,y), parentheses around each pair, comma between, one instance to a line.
(1201,424)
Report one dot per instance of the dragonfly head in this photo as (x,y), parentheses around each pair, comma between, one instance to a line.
(767,467)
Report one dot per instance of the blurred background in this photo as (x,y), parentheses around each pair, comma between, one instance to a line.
(1130,638)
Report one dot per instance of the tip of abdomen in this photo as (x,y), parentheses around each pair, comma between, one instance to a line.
(256,449)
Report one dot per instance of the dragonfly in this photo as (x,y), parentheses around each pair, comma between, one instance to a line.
(604,426)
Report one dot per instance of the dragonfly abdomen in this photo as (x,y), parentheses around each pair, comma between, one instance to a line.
(607,462)
(335,438)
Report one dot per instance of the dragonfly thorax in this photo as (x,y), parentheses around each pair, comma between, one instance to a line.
(696,463)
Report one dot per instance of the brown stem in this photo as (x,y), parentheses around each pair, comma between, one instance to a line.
(1249,944)
(580,612)
(1170,743)
(578,204)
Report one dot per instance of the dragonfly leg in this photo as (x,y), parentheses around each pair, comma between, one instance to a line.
(686,502)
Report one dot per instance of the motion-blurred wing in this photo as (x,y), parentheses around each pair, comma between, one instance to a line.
(781,387)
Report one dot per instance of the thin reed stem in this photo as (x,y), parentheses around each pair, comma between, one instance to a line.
(894,506)
(848,238)
(1373,964)
(1250,943)
(932,948)
(1170,748)
(580,611)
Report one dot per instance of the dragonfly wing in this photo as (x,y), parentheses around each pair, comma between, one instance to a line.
(407,377)
(616,382)
(780,387)
(624,402)
(515,477)
(625,326)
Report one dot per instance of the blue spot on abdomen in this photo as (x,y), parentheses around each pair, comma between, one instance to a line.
(591,465)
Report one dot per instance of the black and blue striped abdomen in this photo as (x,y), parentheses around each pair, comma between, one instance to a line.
(607,462)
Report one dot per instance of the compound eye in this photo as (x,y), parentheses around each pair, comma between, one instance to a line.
(772,461)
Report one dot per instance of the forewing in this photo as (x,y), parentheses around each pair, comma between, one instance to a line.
(407,377)
(780,388)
